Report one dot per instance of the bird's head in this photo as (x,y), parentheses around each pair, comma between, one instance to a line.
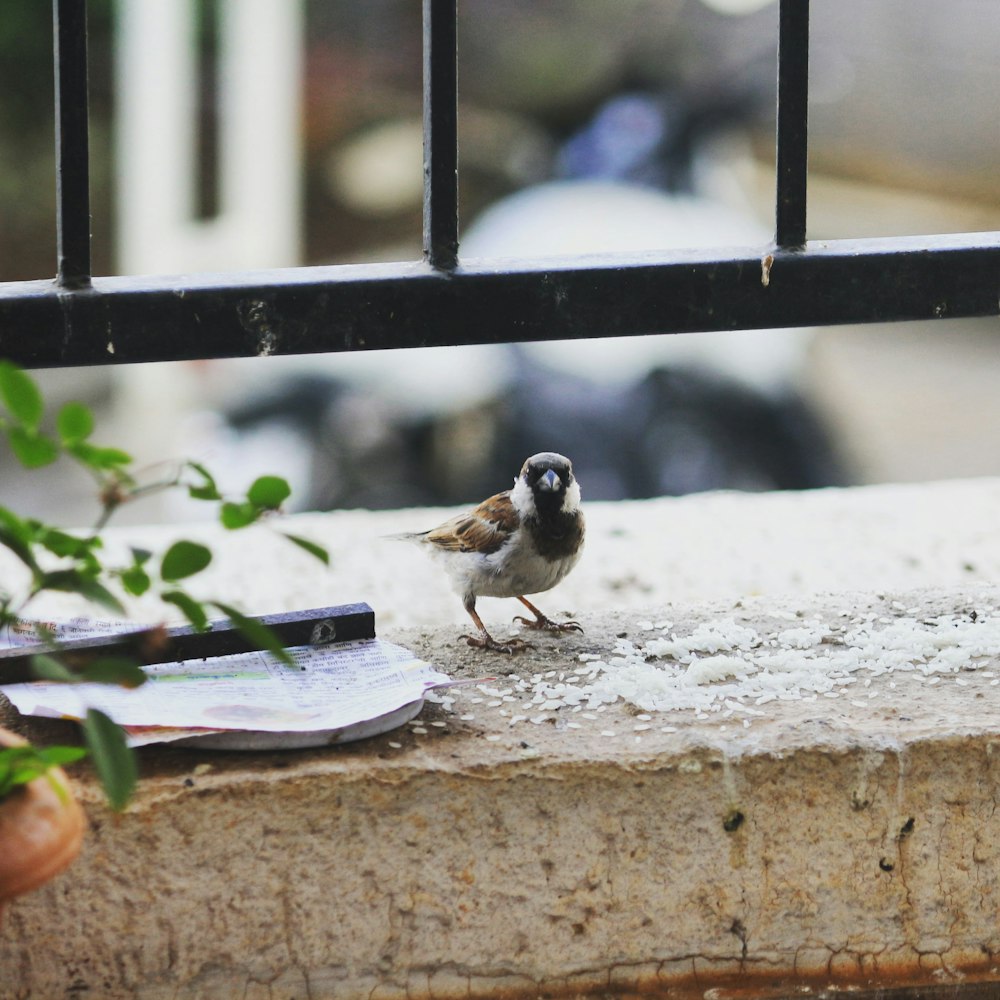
(547,479)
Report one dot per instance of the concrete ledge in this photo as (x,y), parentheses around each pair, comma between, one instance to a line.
(812,840)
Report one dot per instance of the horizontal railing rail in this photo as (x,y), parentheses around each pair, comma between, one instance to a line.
(382,306)
(76,319)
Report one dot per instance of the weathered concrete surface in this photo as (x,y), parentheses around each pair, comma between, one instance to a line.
(638,553)
(848,839)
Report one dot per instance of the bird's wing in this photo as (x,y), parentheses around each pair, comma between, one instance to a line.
(483,529)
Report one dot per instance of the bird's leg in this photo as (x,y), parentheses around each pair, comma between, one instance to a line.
(541,621)
(485,641)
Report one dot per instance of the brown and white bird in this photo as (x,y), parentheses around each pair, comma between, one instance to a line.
(521,541)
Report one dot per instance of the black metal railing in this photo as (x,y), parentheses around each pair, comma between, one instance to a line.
(444,300)
(72,144)
(441,134)
(793,124)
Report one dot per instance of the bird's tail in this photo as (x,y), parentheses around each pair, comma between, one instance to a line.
(405,536)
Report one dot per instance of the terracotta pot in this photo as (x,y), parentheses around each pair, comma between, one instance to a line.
(40,831)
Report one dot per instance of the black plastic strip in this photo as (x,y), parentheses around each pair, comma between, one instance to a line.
(297,628)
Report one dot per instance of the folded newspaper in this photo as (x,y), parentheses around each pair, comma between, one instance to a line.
(333,693)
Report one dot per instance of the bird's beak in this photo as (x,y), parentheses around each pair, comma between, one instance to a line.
(549,482)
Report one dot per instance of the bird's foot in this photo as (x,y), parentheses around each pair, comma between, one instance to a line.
(542,622)
(486,641)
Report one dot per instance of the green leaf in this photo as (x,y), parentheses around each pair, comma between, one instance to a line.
(269,492)
(135,580)
(14,521)
(114,761)
(45,634)
(207,489)
(193,610)
(100,594)
(48,668)
(260,635)
(21,764)
(118,670)
(311,547)
(21,395)
(105,670)
(18,766)
(74,582)
(75,423)
(66,546)
(58,756)
(184,559)
(238,515)
(32,450)
(17,535)
(99,459)
(61,543)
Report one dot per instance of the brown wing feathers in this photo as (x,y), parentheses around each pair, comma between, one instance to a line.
(484,529)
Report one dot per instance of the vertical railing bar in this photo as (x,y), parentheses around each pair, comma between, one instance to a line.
(72,145)
(792,137)
(440,133)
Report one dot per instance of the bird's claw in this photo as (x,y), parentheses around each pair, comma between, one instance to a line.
(486,641)
(549,625)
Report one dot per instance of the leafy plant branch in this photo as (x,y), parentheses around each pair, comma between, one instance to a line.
(59,560)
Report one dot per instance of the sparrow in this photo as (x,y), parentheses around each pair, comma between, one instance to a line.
(521,541)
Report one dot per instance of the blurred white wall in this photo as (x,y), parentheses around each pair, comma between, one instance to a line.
(260,77)
(259,219)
